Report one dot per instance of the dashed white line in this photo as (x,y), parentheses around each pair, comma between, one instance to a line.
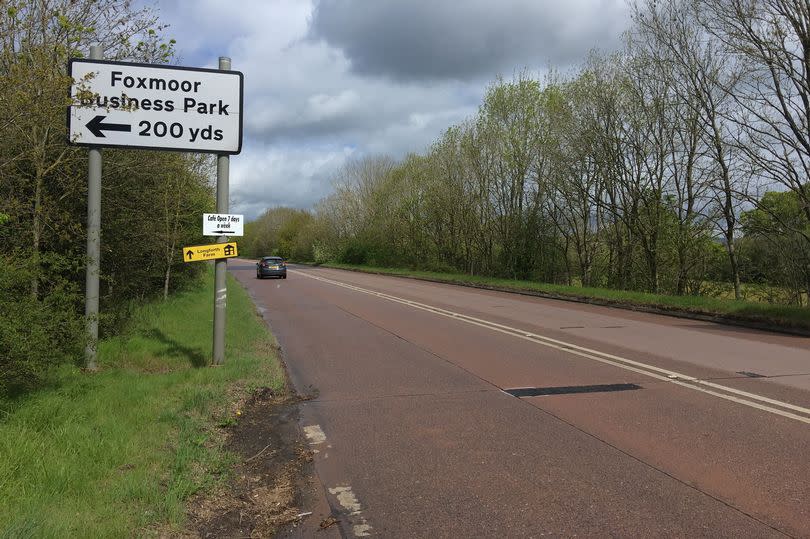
(314,434)
(351,504)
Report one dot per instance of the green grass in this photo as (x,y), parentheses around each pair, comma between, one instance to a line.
(781,316)
(117,453)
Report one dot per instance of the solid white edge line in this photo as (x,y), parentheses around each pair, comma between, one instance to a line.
(595,355)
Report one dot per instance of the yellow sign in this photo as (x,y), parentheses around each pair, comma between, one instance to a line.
(199,253)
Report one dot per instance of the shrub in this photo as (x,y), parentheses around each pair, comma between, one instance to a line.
(35,333)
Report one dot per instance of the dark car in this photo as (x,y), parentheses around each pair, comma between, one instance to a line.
(271,266)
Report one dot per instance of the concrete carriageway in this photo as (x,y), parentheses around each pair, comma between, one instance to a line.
(443,411)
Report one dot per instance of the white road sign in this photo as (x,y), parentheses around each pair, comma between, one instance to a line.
(223,224)
(156,107)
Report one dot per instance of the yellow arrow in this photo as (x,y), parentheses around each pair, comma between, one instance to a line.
(199,253)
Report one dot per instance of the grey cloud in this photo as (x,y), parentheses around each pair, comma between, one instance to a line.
(337,106)
(465,40)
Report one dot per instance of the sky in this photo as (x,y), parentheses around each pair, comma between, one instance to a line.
(327,81)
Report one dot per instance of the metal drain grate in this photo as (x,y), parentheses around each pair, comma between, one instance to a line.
(567,390)
(751,374)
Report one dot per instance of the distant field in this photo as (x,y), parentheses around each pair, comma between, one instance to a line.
(784,317)
(118,453)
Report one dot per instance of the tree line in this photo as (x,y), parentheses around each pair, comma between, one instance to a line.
(152,202)
(678,164)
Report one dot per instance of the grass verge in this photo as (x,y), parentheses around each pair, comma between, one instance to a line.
(778,317)
(117,453)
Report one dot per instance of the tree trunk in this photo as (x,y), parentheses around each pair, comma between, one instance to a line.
(166,282)
(36,233)
(683,271)
(681,286)
(167,276)
(735,270)
(652,268)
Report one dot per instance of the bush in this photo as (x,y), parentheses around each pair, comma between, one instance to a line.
(35,333)
(354,253)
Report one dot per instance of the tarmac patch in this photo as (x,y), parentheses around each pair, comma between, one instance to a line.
(568,390)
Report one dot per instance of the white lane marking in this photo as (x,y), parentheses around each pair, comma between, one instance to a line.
(691,382)
(350,503)
(314,434)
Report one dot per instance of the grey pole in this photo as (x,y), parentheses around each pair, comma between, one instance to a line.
(93,244)
(221,265)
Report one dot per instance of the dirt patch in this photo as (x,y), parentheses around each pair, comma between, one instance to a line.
(264,494)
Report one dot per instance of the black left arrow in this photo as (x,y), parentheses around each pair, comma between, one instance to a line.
(96,127)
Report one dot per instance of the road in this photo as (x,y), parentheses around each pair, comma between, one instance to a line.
(618,423)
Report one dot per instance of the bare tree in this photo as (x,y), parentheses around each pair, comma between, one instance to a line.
(703,80)
(770,40)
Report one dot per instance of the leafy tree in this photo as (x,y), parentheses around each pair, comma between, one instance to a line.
(776,231)
(150,202)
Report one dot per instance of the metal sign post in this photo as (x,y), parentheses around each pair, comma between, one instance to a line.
(221,265)
(93,245)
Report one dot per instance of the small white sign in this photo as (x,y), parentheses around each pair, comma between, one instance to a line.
(157,107)
(223,224)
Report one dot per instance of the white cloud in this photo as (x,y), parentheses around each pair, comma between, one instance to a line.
(271,176)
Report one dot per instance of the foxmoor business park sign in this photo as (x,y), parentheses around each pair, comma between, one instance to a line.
(122,104)
(157,107)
